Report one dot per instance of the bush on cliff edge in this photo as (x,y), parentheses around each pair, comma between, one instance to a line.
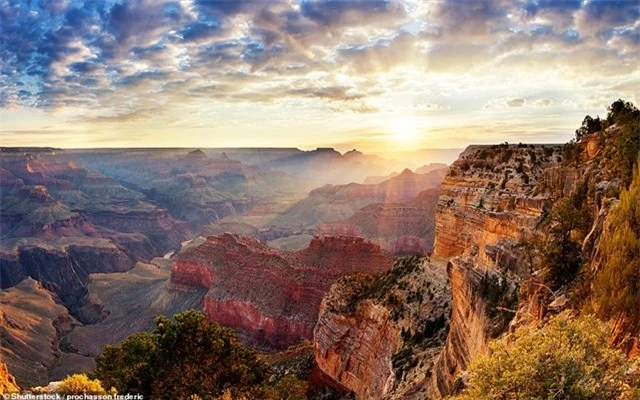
(190,355)
(568,358)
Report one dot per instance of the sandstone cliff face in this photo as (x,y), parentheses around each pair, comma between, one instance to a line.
(271,297)
(356,351)
(491,195)
(492,199)
(32,325)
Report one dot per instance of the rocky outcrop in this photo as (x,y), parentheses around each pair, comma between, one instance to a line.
(32,325)
(356,351)
(373,332)
(8,382)
(491,194)
(493,198)
(271,297)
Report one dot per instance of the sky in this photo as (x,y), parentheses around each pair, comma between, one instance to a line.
(377,75)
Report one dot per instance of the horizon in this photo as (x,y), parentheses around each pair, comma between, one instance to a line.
(377,75)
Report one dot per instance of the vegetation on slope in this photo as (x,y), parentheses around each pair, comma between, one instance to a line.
(190,356)
(567,358)
(81,384)
(616,288)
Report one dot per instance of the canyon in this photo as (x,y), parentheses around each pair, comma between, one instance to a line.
(379,327)
(86,227)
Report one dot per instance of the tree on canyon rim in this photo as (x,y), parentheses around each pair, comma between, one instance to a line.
(189,355)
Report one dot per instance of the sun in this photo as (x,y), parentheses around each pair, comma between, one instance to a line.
(405,131)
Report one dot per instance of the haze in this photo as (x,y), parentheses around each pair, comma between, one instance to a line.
(372,74)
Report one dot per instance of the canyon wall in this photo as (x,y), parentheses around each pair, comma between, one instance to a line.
(271,297)
(399,227)
(375,333)
(489,202)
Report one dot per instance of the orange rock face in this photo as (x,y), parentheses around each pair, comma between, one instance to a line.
(360,360)
(272,297)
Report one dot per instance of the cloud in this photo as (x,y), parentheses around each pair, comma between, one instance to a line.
(543,102)
(516,102)
(121,61)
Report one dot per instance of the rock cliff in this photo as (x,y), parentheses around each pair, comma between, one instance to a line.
(374,333)
(492,198)
(271,297)
(32,325)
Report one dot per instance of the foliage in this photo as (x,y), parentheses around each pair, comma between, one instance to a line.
(622,145)
(127,366)
(501,298)
(81,384)
(589,126)
(616,288)
(570,222)
(288,388)
(380,287)
(187,356)
(572,153)
(568,358)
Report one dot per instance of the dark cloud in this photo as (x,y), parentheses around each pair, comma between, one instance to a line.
(562,6)
(616,12)
(198,31)
(331,12)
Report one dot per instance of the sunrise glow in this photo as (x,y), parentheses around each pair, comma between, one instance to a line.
(310,73)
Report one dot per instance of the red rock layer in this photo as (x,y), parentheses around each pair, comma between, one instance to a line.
(272,297)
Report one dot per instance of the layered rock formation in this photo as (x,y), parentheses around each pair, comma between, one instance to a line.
(62,265)
(193,187)
(339,202)
(400,228)
(61,222)
(373,332)
(32,326)
(491,200)
(271,297)
(489,203)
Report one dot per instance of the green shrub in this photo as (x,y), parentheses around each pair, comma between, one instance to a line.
(568,358)
(186,356)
